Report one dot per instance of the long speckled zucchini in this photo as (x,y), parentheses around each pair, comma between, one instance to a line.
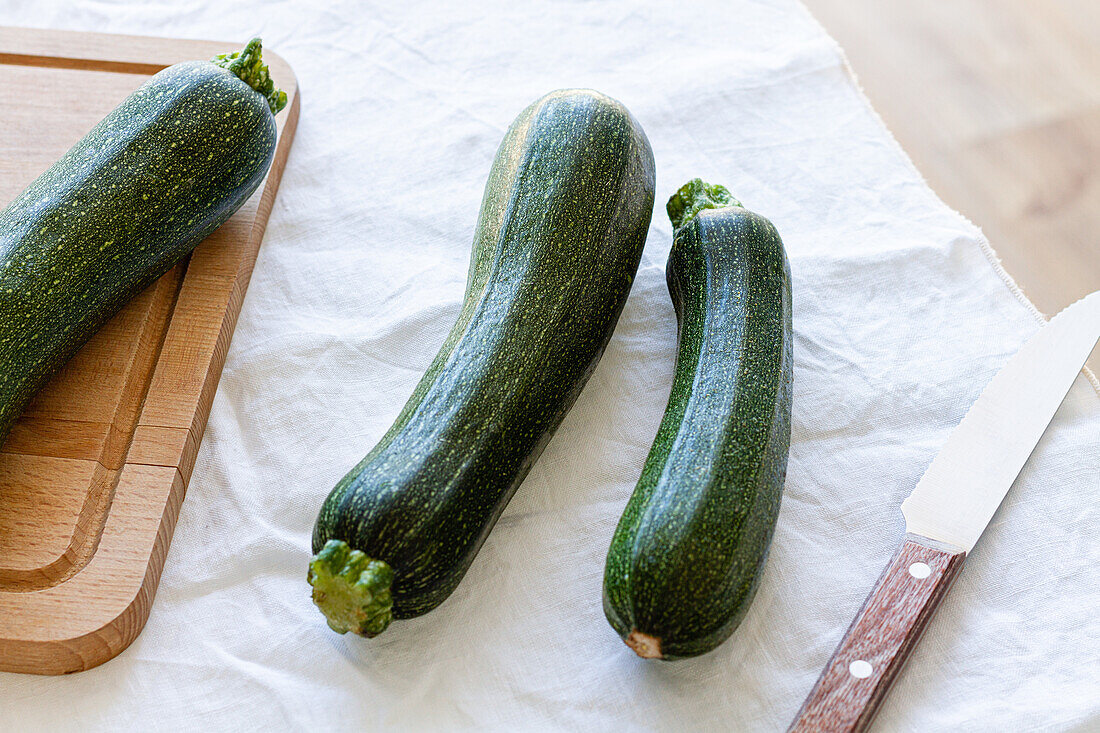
(158,174)
(563,220)
(690,548)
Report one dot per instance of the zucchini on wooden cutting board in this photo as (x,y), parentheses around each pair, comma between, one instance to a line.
(162,171)
(563,220)
(690,547)
(94,471)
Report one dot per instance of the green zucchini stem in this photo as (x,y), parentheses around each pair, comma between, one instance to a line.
(352,590)
(644,645)
(249,67)
(693,197)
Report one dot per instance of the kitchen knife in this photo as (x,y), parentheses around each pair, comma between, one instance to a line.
(944,516)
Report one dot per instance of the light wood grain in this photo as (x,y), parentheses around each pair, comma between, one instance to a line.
(880,639)
(93,474)
(998,105)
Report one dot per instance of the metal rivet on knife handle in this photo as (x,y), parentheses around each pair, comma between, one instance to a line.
(920,570)
(860,669)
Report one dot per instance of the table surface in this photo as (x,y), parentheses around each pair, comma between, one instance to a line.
(998,106)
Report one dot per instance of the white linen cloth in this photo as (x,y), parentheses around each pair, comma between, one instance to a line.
(901,316)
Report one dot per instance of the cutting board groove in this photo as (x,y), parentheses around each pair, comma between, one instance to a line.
(93,474)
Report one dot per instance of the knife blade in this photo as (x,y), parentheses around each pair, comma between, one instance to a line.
(946,514)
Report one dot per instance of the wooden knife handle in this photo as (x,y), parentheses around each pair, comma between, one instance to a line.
(868,660)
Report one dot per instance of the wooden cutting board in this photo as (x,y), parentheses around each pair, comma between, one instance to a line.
(93,474)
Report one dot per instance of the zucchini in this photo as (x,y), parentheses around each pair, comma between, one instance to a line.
(158,174)
(563,220)
(690,547)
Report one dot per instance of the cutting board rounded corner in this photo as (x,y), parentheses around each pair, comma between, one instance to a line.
(77,650)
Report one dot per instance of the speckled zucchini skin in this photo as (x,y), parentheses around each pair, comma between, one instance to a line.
(562,224)
(157,175)
(690,547)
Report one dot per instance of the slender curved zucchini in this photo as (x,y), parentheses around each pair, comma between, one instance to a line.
(562,224)
(158,174)
(690,548)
